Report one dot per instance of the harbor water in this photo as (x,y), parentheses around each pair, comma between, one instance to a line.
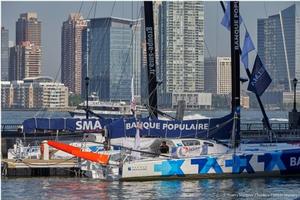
(84,188)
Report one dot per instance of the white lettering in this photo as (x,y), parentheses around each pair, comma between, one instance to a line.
(87,125)
(146,125)
(78,125)
(158,126)
(170,126)
(97,125)
(205,126)
(165,126)
(127,126)
(257,76)
(294,161)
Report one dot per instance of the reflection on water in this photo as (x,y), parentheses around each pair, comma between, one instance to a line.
(76,188)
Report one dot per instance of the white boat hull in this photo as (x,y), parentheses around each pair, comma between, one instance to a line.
(272,163)
(286,162)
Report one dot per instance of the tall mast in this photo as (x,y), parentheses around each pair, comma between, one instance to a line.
(235,60)
(151,64)
(266,119)
(87,75)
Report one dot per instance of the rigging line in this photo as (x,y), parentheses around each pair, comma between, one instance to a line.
(57,73)
(91,9)
(132,74)
(102,42)
(217,32)
(209,54)
(246,30)
(80,6)
(265,9)
(130,47)
(95,8)
(127,54)
(106,22)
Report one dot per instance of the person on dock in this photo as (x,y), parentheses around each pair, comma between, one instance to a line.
(106,145)
(164,148)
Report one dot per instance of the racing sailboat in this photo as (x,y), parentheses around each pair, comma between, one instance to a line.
(189,156)
(194,148)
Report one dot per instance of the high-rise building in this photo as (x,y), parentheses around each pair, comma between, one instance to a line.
(4,54)
(182,46)
(223,75)
(36,92)
(28,28)
(210,75)
(25,61)
(15,66)
(32,59)
(278,42)
(71,52)
(114,57)
(25,57)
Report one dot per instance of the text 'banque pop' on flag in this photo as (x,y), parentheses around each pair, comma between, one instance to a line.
(260,78)
(226,18)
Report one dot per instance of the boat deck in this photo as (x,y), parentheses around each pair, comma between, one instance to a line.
(34,167)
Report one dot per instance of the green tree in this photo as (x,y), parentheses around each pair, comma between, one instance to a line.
(74,99)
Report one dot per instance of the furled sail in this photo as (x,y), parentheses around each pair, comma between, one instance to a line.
(95,157)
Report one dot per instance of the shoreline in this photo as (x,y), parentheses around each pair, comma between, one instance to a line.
(72,108)
(67,109)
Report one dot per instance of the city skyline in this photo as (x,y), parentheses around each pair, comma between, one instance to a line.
(214,32)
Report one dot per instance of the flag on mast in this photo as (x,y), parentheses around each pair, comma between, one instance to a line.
(247,47)
(226,18)
(133,101)
(137,141)
(260,78)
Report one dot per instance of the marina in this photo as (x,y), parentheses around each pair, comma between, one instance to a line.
(118,144)
(34,167)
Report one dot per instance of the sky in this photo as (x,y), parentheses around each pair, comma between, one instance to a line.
(52,14)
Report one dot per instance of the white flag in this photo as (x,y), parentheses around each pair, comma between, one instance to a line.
(133,101)
(137,141)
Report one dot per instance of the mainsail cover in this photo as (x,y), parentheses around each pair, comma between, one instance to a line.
(67,124)
(214,128)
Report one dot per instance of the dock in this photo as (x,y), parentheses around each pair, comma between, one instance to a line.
(35,167)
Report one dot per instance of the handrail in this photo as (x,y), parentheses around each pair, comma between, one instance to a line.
(10,127)
(260,126)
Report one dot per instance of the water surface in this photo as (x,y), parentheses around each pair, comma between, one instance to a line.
(82,188)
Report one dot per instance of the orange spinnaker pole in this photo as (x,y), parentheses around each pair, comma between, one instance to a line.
(95,157)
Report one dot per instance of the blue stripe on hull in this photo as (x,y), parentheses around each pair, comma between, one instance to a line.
(276,163)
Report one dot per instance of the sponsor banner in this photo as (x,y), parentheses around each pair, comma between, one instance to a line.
(67,124)
(218,128)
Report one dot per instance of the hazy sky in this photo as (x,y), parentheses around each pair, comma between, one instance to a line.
(52,15)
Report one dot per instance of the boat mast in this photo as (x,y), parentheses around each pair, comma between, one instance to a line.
(235,62)
(87,75)
(266,119)
(151,63)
